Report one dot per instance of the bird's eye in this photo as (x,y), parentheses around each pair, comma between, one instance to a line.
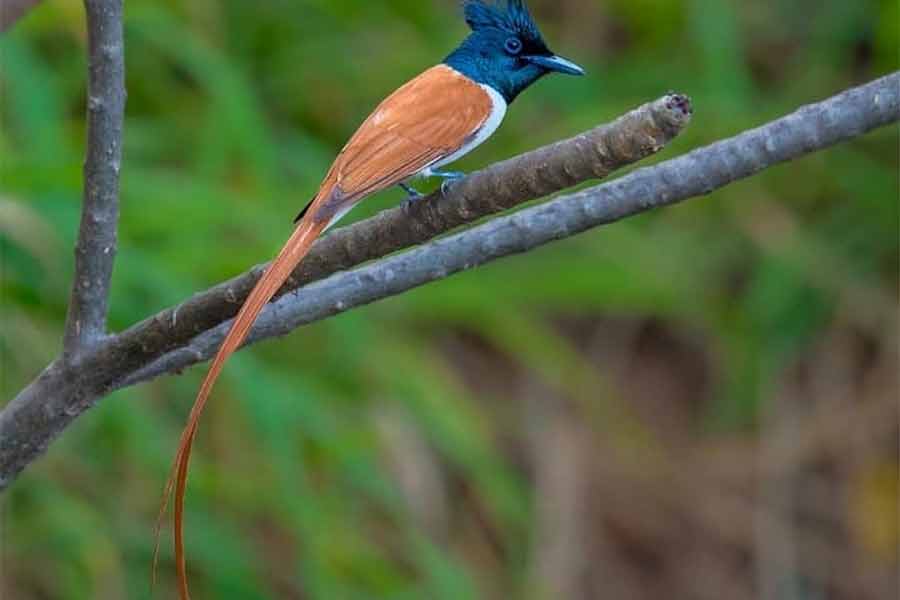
(513,45)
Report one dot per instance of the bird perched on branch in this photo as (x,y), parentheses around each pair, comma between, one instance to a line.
(429,122)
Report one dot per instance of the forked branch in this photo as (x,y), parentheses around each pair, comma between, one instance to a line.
(184,335)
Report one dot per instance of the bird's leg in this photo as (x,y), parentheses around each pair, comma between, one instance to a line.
(449,178)
(412,195)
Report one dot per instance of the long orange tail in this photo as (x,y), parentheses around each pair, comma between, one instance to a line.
(275,275)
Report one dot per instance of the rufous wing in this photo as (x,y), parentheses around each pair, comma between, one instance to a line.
(425,120)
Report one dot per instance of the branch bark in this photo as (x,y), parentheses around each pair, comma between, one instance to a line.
(593,154)
(72,384)
(96,247)
(809,129)
(63,391)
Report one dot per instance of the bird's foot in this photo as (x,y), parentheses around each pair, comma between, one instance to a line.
(412,196)
(446,186)
(449,179)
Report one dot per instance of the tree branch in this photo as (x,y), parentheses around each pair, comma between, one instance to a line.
(700,172)
(96,247)
(62,392)
(593,154)
(67,388)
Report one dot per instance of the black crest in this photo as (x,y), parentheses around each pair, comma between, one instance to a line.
(507,15)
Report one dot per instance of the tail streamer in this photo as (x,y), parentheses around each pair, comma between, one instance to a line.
(294,250)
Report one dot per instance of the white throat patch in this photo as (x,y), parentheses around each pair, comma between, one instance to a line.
(498,111)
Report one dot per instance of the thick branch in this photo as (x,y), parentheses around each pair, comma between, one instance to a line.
(46,406)
(67,388)
(590,155)
(809,129)
(96,247)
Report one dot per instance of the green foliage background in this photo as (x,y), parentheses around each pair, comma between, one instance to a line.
(234,111)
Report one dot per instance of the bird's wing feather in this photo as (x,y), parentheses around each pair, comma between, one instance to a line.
(425,120)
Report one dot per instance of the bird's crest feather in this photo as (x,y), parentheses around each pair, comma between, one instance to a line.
(507,15)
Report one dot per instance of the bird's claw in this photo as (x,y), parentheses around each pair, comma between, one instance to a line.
(450,180)
(412,196)
(407,204)
(446,185)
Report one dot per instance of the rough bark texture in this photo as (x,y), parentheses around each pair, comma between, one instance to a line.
(95,250)
(700,172)
(169,342)
(76,380)
(592,154)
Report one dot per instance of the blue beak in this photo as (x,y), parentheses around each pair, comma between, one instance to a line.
(557,64)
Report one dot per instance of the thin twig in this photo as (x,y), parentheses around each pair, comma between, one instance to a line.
(96,247)
(41,411)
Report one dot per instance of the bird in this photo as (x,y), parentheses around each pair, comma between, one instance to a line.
(429,122)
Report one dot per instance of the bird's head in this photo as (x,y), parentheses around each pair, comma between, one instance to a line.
(505,49)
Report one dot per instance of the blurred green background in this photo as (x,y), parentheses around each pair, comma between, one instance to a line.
(695,403)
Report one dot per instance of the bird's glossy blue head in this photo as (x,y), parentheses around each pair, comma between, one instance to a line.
(505,49)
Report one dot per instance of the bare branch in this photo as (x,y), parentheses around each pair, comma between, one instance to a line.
(96,247)
(593,154)
(46,407)
(62,392)
(809,129)
(13,10)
